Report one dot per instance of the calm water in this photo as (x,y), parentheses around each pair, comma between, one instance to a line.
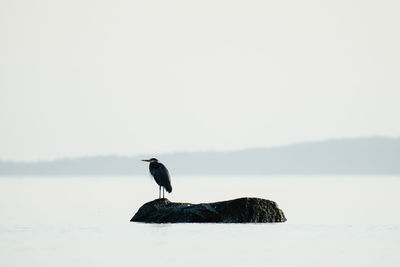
(80,221)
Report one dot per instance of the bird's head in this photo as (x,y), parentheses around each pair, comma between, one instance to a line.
(150,160)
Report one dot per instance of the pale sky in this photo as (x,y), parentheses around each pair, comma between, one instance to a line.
(88,77)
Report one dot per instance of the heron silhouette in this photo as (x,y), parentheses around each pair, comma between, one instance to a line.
(160,174)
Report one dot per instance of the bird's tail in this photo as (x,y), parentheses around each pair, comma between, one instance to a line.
(168,188)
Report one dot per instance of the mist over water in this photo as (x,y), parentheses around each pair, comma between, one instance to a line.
(260,89)
(77,221)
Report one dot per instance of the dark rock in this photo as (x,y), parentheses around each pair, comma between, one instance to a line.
(241,210)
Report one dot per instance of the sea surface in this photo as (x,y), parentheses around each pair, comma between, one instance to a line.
(85,221)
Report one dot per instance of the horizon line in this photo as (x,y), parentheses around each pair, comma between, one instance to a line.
(61,158)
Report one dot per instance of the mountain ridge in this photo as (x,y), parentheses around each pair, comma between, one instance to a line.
(364,156)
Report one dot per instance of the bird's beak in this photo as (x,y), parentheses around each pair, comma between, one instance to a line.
(146,160)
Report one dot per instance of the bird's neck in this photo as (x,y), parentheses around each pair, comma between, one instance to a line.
(154,165)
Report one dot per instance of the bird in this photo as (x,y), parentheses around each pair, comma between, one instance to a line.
(160,174)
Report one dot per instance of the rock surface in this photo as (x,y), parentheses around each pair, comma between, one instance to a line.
(241,210)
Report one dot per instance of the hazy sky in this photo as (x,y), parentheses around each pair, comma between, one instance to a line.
(126,77)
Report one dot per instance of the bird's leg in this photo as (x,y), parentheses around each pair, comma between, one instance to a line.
(163,192)
(159,192)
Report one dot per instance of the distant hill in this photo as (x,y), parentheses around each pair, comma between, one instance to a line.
(363,156)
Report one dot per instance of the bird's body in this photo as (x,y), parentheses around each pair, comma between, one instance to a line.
(160,174)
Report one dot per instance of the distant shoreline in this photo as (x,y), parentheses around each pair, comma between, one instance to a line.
(351,156)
